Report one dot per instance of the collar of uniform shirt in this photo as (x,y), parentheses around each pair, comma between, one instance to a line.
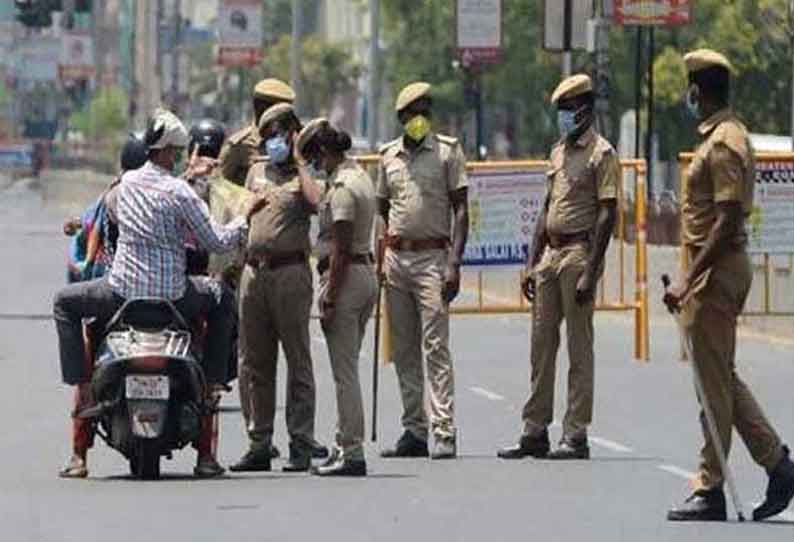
(585,139)
(428,143)
(708,125)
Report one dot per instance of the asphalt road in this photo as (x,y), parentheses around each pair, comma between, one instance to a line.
(644,440)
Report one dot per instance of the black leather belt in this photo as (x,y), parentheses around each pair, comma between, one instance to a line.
(325,263)
(274,260)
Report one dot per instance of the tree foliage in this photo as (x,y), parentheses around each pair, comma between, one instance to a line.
(105,117)
(754,34)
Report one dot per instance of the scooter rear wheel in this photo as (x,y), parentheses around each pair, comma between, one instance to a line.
(145,462)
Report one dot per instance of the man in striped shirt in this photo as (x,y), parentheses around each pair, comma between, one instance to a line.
(156,212)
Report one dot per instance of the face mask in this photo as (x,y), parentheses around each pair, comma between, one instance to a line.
(179,163)
(566,121)
(417,128)
(277,149)
(692,102)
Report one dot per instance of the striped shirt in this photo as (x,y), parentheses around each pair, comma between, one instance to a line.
(157,213)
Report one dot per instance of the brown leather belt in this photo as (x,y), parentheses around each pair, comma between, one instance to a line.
(559,241)
(395,242)
(363,259)
(274,260)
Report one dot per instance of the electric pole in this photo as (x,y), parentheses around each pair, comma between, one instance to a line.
(373,93)
(295,53)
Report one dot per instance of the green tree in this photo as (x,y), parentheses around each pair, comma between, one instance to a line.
(326,71)
(104,121)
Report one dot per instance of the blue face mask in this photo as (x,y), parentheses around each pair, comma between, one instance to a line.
(277,149)
(692,102)
(566,121)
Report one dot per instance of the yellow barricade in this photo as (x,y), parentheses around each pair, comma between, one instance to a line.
(512,300)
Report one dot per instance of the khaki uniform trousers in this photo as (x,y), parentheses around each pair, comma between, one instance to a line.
(343,336)
(710,324)
(420,320)
(275,306)
(555,299)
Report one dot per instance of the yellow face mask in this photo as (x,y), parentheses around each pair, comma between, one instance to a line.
(417,128)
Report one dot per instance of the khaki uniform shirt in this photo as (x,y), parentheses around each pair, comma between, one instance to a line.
(723,169)
(418,184)
(582,174)
(283,225)
(350,198)
(238,153)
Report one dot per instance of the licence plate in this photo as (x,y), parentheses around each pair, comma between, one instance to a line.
(147,387)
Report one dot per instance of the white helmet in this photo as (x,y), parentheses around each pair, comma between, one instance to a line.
(166,130)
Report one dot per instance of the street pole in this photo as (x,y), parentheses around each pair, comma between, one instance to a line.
(480,116)
(175,56)
(637,91)
(649,140)
(295,53)
(566,39)
(373,93)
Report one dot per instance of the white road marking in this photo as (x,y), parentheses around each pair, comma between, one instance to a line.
(610,445)
(486,393)
(784,515)
(677,471)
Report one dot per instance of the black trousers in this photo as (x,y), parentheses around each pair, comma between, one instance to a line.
(96,299)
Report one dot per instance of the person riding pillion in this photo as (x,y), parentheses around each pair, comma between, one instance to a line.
(570,240)
(720,185)
(348,287)
(156,211)
(422,197)
(276,295)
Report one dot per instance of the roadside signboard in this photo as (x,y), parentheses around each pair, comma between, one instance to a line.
(77,57)
(504,206)
(240,32)
(478,26)
(554,35)
(771,225)
(653,12)
(37,59)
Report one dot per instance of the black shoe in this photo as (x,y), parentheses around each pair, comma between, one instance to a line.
(571,449)
(445,448)
(702,505)
(300,458)
(319,451)
(780,490)
(274,452)
(343,467)
(253,461)
(408,445)
(334,457)
(528,445)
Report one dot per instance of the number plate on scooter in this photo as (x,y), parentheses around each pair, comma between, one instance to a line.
(147,387)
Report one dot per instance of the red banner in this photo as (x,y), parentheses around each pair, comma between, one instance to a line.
(239,56)
(653,12)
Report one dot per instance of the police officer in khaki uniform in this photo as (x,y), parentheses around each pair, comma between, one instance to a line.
(567,257)
(422,188)
(348,288)
(275,299)
(243,146)
(718,199)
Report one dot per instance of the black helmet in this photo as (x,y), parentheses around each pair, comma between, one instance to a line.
(209,135)
(134,152)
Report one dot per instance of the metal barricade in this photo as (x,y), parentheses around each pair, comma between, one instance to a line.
(483,300)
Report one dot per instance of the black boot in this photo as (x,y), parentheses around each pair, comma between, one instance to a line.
(571,449)
(780,490)
(300,457)
(528,445)
(408,445)
(254,460)
(318,450)
(343,467)
(702,505)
